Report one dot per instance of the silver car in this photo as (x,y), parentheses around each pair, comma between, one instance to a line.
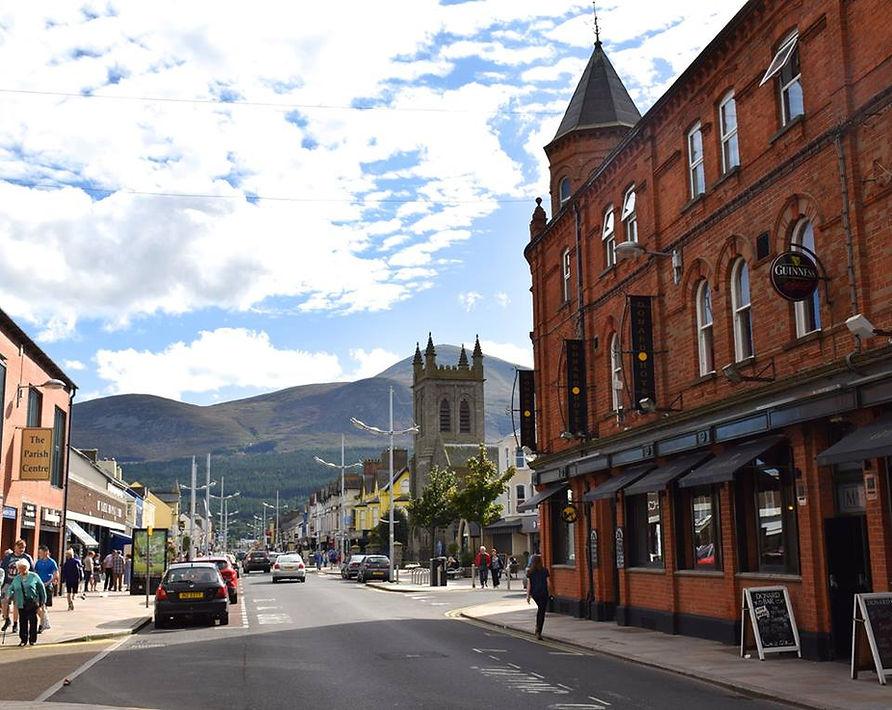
(289,566)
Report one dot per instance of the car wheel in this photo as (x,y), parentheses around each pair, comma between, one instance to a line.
(275,580)
(160,622)
(224,620)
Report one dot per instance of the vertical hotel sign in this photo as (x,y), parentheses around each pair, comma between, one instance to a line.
(527,388)
(37,454)
(642,349)
(577,394)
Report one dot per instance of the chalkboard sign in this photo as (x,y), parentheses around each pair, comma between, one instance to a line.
(767,621)
(593,544)
(620,550)
(872,634)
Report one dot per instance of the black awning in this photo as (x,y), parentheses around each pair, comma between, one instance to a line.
(614,485)
(723,467)
(504,524)
(866,442)
(661,477)
(542,495)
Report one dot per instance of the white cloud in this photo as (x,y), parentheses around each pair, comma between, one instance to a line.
(372,362)
(75,365)
(518,354)
(469,300)
(502,299)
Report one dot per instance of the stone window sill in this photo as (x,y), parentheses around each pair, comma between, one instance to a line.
(708,377)
(732,173)
(715,573)
(694,201)
(779,576)
(798,121)
(572,567)
(803,339)
(646,570)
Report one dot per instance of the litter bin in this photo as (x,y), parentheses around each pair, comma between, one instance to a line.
(438,571)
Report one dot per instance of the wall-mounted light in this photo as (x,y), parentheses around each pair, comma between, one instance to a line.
(861,327)
(48,385)
(633,250)
(732,373)
(649,406)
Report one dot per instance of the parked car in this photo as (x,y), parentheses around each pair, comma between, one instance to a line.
(257,560)
(374,567)
(191,589)
(350,568)
(289,566)
(227,571)
(240,555)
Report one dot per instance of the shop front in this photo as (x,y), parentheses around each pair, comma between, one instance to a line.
(99,516)
(50,528)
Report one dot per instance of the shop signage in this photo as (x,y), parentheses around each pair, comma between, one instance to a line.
(37,454)
(593,545)
(568,514)
(9,512)
(794,275)
(850,497)
(50,517)
(620,550)
(641,319)
(577,395)
(767,622)
(149,559)
(29,515)
(872,637)
(526,380)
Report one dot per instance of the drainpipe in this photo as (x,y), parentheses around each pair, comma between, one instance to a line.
(67,466)
(846,223)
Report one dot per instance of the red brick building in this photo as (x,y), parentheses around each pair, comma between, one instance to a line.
(709,434)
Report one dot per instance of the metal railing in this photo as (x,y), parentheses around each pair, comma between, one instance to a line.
(421,575)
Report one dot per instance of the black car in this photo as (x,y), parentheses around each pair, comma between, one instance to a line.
(257,560)
(191,589)
(374,567)
(350,568)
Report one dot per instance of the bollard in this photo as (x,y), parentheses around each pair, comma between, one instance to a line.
(473,576)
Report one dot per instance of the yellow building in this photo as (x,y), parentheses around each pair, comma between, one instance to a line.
(373,503)
(156,512)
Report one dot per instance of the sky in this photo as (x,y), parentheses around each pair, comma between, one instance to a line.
(211,200)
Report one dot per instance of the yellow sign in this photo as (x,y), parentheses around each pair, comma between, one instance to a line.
(37,454)
(150,530)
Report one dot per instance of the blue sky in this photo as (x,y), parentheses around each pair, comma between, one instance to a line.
(280,193)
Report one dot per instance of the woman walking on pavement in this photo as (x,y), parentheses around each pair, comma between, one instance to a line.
(482,563)
(495,567)
(537,588)
(28,595)
(72,573)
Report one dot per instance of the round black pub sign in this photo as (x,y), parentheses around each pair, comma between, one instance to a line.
(794,275)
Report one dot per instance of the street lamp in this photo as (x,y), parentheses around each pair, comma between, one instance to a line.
(192,490)
(224,511)
(276,508)
(390,432)
(633,249)
(342,516)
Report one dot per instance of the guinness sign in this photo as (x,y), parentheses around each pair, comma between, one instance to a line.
(527,386)
(794,275)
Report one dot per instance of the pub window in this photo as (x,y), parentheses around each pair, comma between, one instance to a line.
(608,237)
(765,500)
(704,328)
(464,417)
(629,216)
(564,191)
(565,271)
(616,373)
(808,312)
(696,171)
(645,530)
(445,416)
(728,133)
(742,311)
(563,548)
(35,406)
(698,528)
(58,466)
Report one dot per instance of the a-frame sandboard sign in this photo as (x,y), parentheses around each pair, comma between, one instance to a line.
(872,634)
(767,622)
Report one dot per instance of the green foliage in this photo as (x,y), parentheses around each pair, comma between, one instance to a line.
(452,548)
(400,530)
(479,489)
(435,508)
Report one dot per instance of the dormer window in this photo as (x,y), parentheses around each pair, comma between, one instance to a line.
(564,191)
(629,216)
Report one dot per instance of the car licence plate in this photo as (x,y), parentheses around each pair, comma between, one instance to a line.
(191,595)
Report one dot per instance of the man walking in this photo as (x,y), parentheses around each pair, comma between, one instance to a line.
(107,564)
(481,561)
(117,571)
(48,571)
(10,559)
(28,595)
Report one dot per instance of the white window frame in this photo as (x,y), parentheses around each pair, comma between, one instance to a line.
(808,310)
(566,271)
(781,57)
(608,237)
(728,136)
(744,345)
(616,373)
(705,320)
(785,89)
(696,166)
(562,198)
(629,216)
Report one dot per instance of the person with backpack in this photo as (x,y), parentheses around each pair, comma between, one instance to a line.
(72,574)
(10,559)
(28,595)
(48,571)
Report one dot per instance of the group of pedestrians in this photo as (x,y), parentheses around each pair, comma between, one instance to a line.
(489,564)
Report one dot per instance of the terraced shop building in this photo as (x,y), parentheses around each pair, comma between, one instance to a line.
(706,421)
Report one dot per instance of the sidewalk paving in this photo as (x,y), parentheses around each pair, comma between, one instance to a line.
(100,615)
(788,679)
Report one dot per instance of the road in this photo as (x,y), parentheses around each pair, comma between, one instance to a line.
(337,644)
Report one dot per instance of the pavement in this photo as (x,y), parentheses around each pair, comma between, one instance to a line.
(824,685)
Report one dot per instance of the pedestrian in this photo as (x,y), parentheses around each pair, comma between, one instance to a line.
(537,588)
(317,558)
(72,573)
(332,557)
(495,567)
(28,594)
(128,571)
(48,571)
(117,571)
(107,563)
(512,567)
(89,580)
(9,567)
(482,563)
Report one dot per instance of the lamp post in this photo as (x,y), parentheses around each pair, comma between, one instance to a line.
(192,490)
(341,516)
(271,507)
(224,507)
(390,432)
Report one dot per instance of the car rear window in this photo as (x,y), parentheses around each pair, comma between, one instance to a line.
(290,558)
(202,575)
(376,559)
(257,556)
(357,558)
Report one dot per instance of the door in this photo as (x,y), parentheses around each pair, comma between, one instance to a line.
(848,560)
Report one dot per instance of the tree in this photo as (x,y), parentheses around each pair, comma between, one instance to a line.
(435,508)
(475,499)
(400,530)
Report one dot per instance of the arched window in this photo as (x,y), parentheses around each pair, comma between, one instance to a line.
(564,191)
(445,416)
(704,328)
(808,312)
(464,417)
(629,216)
(616,373)
(742,311)
(608,236)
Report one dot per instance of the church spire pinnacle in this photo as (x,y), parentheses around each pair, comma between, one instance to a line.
(597,29)
(463,358)
(430,353)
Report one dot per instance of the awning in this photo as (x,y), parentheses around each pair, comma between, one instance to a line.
(81,534)
(661,477)
(504,524)
(545,493)
(611,487)
(723,467)
(91,520)
(867,442)
(121,535)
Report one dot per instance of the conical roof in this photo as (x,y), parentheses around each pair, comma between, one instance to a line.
(600,98)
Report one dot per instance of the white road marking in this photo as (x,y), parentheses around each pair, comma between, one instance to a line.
(55,687)
(514,666)
(563,653)
(439,603)
(267,608)
(598,700)
(490,650)
(256,601)
(495,658)
(266,619)
(530,683)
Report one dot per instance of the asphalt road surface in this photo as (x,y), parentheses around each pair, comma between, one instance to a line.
(335,644)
